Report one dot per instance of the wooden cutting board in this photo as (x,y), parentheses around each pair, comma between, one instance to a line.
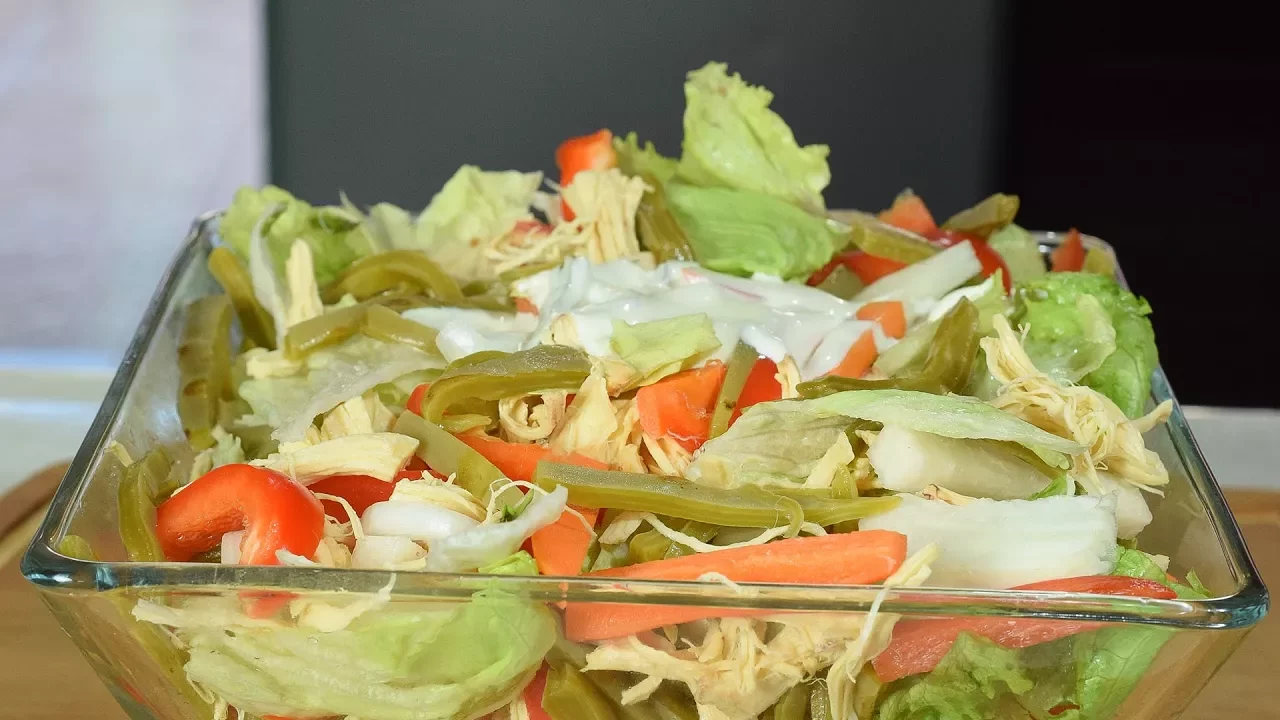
(45,678)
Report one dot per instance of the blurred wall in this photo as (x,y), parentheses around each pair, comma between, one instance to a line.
(385,100)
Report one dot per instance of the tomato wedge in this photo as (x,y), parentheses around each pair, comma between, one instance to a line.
(919,645)
(762,386)
(532,695)
(1069,256)
(868,268)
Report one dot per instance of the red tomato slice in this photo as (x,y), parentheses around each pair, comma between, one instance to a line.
(762,386)
(532,695)
(919,645)
(359,490)
(1069,257)
(414,403)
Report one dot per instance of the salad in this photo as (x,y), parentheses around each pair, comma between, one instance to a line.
(654,368)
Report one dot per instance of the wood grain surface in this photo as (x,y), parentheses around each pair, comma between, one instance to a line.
(45,678)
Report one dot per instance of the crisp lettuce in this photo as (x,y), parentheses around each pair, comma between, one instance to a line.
(335,239)
(950,416)
(1083,677)
(520,563)
(1049,307)
(732,139)
(384,665)
(772,443)
(742,232)
(659,348)
(1019,251)
(1136,563)
(1068,358)
(473,208)
(330,376)
(966,685)
(635,160)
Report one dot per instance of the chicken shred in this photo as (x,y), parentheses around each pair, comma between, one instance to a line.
(530,418)
(603,229)
(788,376)
(1112,441)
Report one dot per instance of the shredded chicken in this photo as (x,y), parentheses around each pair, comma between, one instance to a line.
(625,441)
(933,492)
(839,455)
(734,673)
(788,376)
(589,422)
(380,455)
(664,456)
(530,418)
(360,415)
(1111,440)
(433,491)
(300,278)
(603,229)
(260,364)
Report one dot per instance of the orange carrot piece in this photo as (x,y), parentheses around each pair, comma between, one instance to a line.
(856,558)
(858,360)
(1069,256)
(561,547)
(891,315)
(680,406)
(525,305)
(909,213)
(518,460)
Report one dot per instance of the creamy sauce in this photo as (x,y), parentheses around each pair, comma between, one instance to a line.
(777,318)
(463,331)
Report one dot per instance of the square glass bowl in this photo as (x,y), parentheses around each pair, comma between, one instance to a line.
(1165,650)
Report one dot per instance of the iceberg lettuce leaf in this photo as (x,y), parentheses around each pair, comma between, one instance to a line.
(732,139)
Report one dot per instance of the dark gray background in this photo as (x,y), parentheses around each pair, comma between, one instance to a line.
(1146,129)
(385,100)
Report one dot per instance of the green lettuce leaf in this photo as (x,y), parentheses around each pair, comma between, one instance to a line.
(732,139)
(1057,486)
(966,685)
(635,160)
(1068,358)
(226,449)
(473,208)
(950,416)
(520,563)
(1132,562)
(333,236)
(772,443)
(741,232)
(1020,252)
(1049,306)
(661,347)
(329,377)
(1109,664)
(385,665)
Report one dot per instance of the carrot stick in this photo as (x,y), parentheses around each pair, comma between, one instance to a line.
(561,547)
(856,558)
(891,315)
(909,213)
(518,460)
(680,406)
(859,358)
